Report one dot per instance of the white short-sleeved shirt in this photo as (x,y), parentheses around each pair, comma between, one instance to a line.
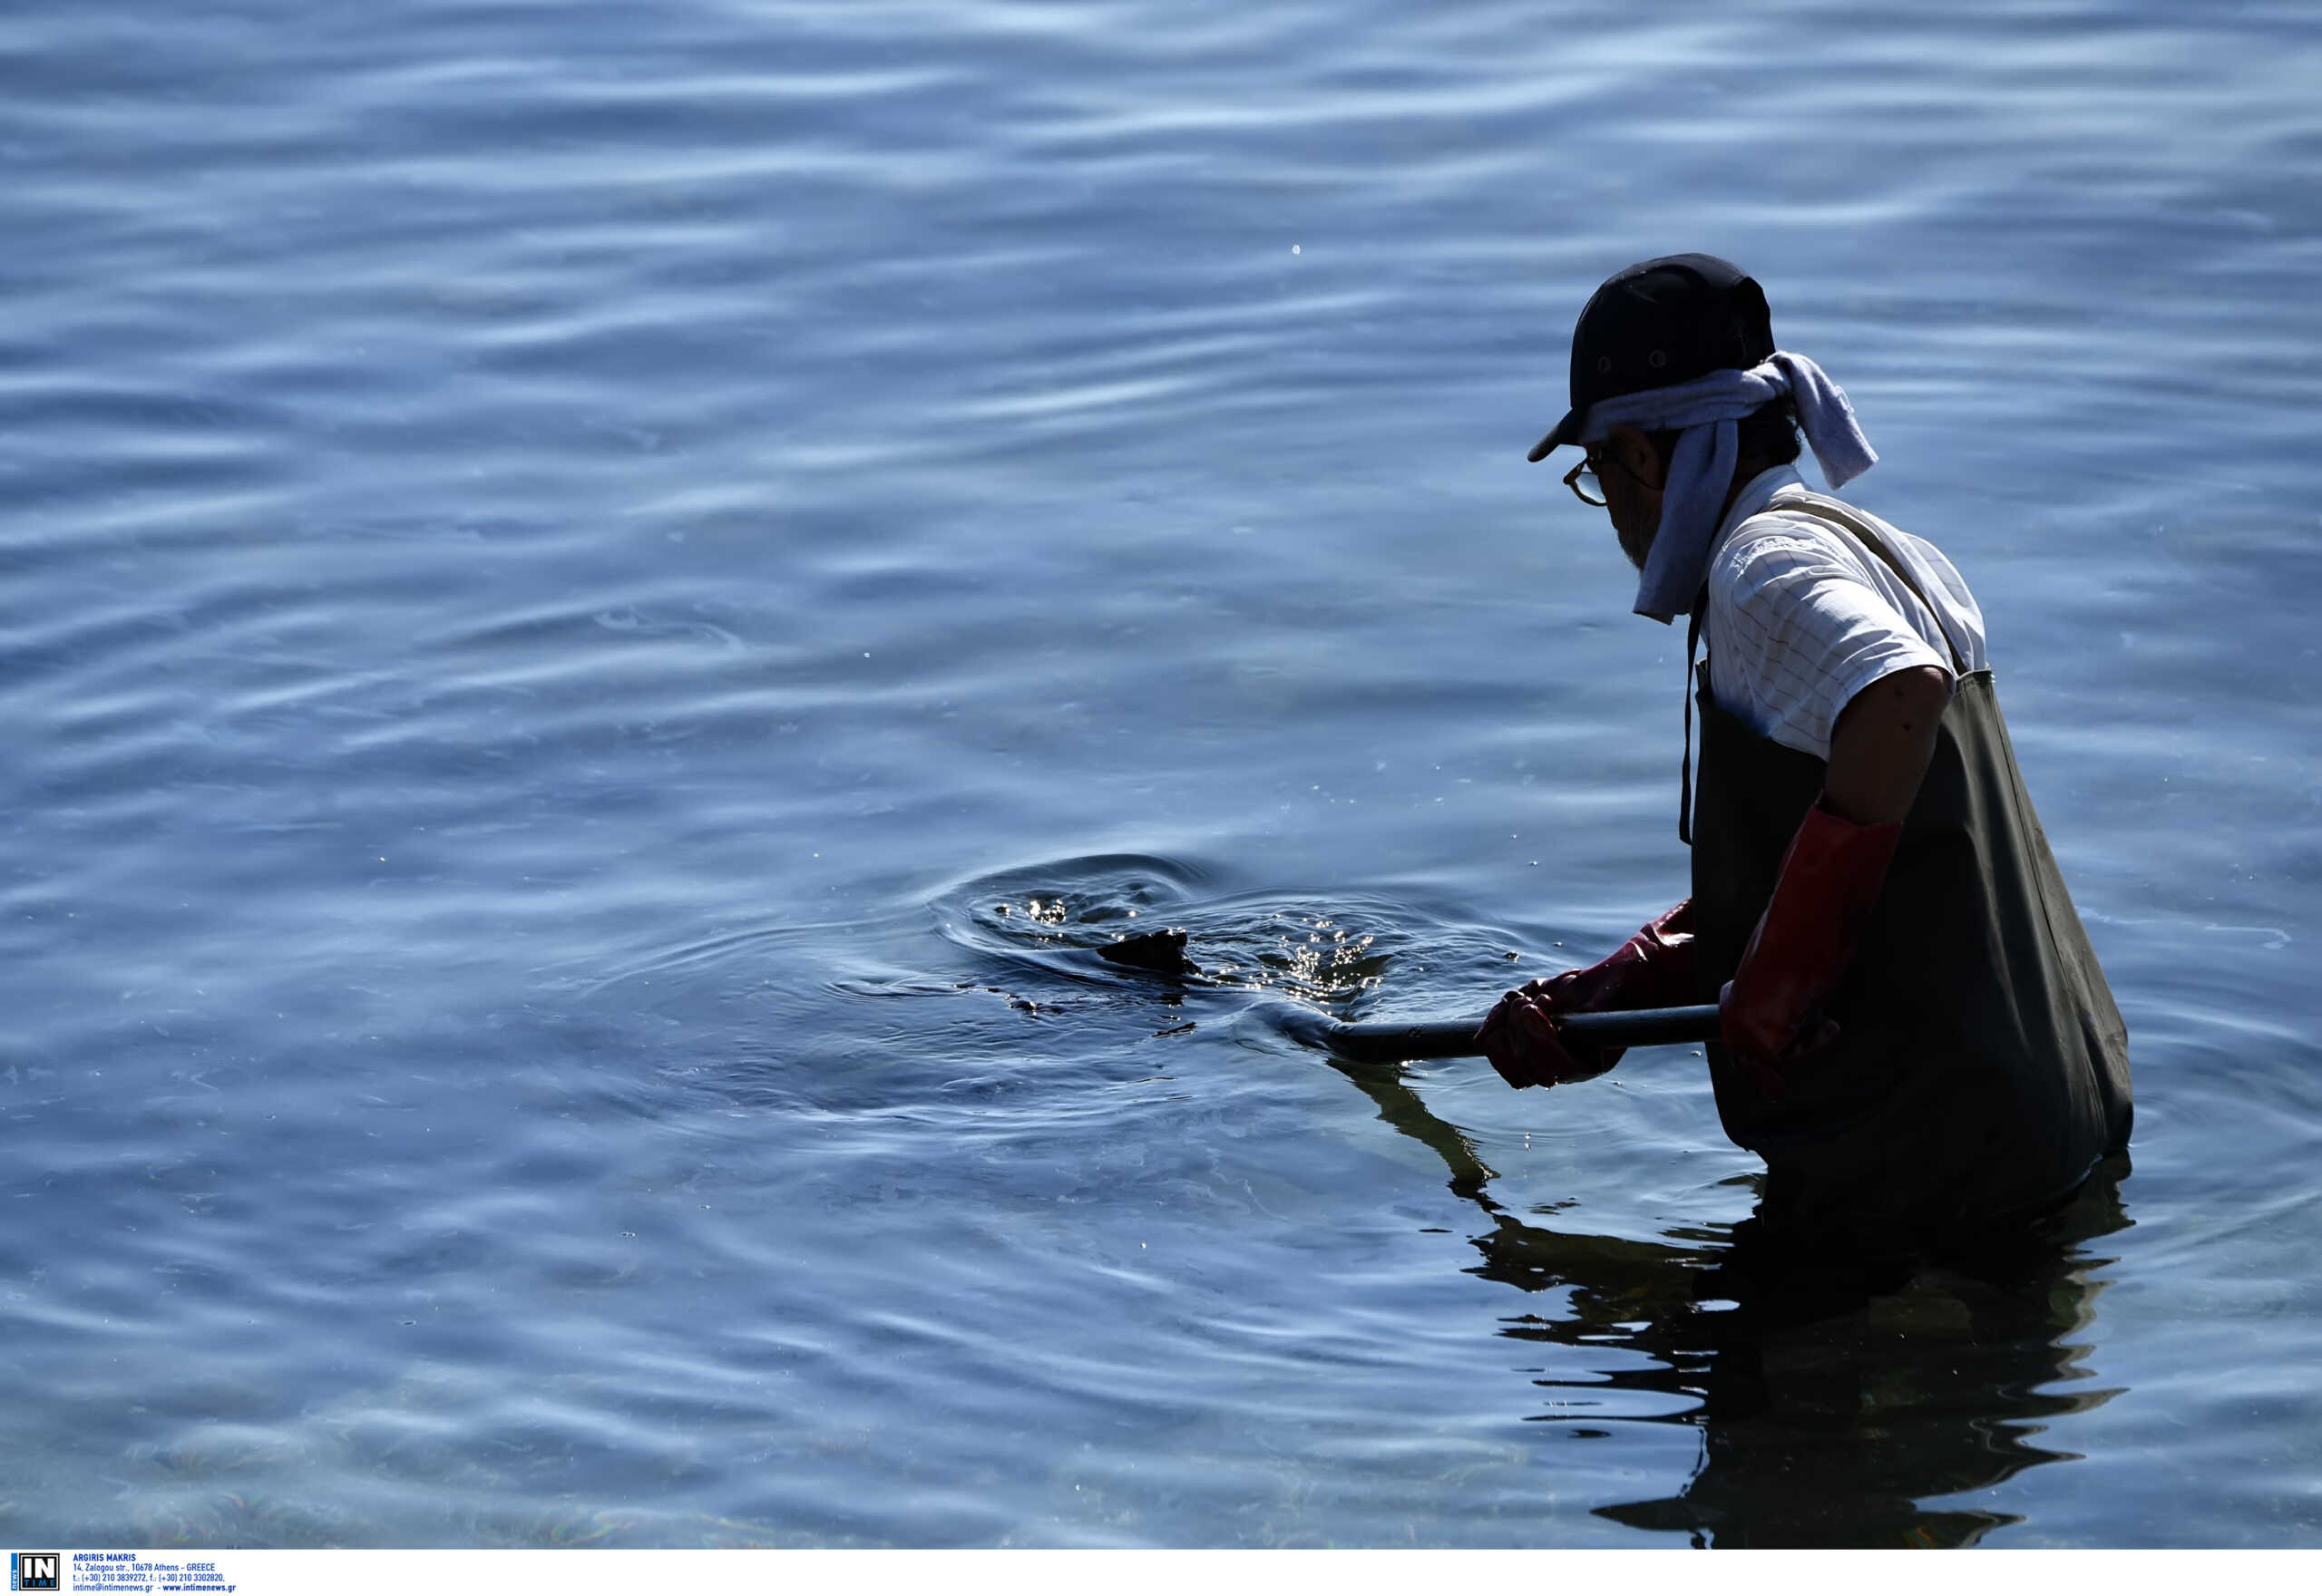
(1802,615)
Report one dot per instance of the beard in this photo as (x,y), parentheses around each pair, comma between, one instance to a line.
(1636,545)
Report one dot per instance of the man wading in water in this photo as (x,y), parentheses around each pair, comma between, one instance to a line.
(1916,1037)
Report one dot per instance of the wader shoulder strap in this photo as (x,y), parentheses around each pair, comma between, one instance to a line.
(1839,516)
(1685,770)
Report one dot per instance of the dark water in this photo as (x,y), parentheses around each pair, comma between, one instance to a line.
(564,562)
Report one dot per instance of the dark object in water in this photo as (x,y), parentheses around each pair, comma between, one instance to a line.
(1162,952)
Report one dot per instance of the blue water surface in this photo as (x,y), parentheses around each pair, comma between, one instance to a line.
(603,603)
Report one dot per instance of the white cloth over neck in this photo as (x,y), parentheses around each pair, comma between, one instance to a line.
(1703,413)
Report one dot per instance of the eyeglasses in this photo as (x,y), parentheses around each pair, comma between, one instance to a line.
(1582,480)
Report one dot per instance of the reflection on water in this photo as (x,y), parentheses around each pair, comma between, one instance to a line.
(1837,1402)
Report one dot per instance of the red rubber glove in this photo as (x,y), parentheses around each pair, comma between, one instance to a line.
(1652,969)
(1829,881)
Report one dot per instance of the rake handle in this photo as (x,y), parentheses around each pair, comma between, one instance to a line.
(1391,1042)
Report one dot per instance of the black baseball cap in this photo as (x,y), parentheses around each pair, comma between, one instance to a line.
(1659,323)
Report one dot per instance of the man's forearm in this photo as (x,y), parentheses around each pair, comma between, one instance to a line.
(1880,746)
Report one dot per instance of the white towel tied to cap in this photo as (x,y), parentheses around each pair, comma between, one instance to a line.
(1702,412)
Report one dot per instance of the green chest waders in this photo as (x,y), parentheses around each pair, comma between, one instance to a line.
(1982,1067)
